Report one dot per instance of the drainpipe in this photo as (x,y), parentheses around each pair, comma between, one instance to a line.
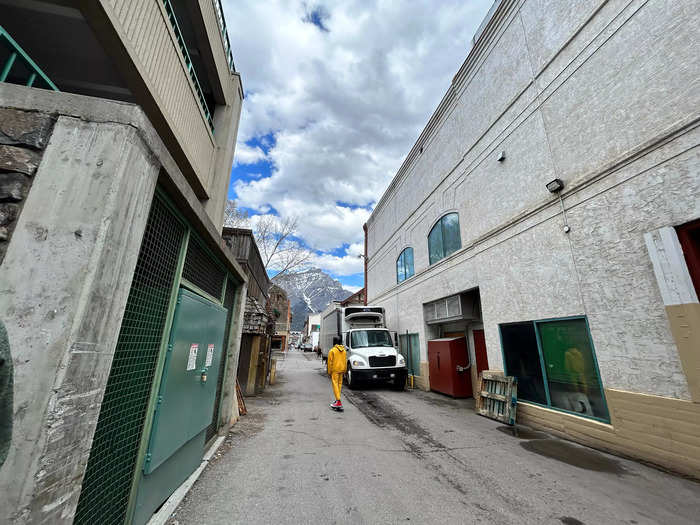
(364,227)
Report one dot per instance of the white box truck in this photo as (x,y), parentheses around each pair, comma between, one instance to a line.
(370,347)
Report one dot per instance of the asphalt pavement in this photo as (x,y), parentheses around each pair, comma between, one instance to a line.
(413,456)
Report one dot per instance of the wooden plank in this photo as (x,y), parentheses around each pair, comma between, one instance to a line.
(497,397)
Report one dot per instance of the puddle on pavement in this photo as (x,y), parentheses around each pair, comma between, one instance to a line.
(523,433)
(574,455)
(568,520)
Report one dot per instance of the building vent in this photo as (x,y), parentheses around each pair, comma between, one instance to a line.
(112,464)
(461,307)
(202,269)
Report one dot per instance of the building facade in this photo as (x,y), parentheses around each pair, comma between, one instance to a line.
(117,127)
(549,213)
(258,321)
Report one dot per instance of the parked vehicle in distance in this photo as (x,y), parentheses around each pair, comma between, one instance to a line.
(371,349)
(307,347)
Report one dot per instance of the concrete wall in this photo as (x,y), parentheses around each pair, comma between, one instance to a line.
(66,276)
(603,95)
(64,282)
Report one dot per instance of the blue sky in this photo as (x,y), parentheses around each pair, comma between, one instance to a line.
(336,93)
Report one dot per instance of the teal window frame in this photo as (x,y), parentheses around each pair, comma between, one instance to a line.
(545,378)
(438,233)
(404,270)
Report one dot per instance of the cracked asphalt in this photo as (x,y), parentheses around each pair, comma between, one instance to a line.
(399,457)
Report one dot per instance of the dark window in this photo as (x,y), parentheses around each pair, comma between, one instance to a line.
(555,364)
(404,265)
(444,239)
(522,360)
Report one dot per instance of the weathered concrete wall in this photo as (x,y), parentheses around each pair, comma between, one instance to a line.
(23,137)
(64,284)
(604,96)
(65,280)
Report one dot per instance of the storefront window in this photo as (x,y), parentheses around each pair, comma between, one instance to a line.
(522,360)
(444,239)
(555,364)
(572,374)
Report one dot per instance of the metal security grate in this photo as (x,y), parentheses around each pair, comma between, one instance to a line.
(202,270)
(229,298)
(108,478)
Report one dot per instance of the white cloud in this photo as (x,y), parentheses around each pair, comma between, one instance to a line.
(341,266)
(246,154)
(344,105)
(351,288)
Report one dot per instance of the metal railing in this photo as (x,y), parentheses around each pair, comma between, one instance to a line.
(224,34)
(188,62)
(34,75)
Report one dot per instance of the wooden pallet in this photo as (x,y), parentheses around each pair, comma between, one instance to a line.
(498,396)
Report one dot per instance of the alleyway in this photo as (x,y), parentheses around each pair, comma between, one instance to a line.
(395,457)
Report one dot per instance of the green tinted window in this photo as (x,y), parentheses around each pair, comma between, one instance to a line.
(404,265)
(555,364)
(400,271)
(572,373)
(444,239)
(450,234)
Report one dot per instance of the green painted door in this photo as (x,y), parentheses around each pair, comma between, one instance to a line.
(185,400)
(410,349)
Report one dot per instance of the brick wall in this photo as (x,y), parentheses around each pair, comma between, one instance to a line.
(23,137)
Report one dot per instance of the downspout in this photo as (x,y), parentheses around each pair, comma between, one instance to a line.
(364,227)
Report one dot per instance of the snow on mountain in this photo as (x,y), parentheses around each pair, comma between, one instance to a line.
(310,292)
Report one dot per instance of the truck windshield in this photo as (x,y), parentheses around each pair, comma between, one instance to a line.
(365,338)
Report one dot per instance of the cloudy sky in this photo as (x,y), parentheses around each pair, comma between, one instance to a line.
(336,93)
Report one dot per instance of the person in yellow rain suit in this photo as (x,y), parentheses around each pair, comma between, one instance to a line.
(337,365)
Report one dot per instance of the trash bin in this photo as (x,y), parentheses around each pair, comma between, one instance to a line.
(448,363)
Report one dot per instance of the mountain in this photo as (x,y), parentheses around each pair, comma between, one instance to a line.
(310,292)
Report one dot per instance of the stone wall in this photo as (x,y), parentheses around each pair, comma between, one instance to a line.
(23,137)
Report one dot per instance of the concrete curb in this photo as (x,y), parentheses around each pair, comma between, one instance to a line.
(161,517)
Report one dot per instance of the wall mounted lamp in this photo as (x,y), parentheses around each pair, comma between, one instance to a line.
(555,187)
(501,156)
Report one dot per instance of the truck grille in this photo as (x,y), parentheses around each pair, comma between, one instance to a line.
(382,361)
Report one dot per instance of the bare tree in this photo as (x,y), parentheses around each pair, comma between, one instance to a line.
(234,217)
(279,250)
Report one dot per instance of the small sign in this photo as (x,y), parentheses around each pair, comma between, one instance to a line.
(210,355)
(192,359)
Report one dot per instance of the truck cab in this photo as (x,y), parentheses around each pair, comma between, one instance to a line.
(371,349)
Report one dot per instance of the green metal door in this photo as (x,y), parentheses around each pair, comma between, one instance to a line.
(185,400)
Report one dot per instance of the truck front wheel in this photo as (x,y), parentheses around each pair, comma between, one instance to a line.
(351,379)
(399,382)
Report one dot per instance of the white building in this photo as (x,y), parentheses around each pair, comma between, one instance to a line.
(589,300)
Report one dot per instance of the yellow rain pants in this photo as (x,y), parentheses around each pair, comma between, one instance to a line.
(337,365)
(337,382)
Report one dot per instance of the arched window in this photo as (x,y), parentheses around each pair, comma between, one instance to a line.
(444,238)
(404,265)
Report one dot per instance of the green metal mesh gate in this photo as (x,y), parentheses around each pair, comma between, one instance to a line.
(110,470)
(229,298)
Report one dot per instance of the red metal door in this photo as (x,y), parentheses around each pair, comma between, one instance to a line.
(482,360)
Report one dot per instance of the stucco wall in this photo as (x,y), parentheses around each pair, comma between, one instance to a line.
(604,97)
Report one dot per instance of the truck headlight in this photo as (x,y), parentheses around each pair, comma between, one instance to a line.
(401,360)
(358,363)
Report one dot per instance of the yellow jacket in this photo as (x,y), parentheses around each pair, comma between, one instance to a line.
(337,360)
